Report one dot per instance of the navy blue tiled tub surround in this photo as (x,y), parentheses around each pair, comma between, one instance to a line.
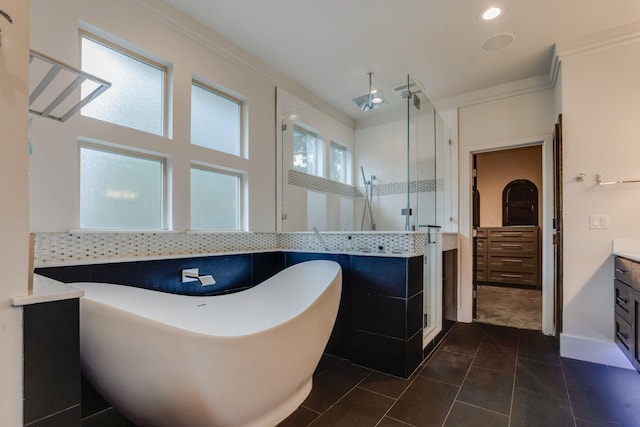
(379,323)
(231,272)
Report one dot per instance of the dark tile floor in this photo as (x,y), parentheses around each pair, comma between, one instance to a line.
(480,375)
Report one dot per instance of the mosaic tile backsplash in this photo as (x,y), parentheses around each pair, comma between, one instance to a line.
(52,249)
(316,183)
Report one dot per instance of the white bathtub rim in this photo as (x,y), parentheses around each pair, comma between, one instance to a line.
(197,328)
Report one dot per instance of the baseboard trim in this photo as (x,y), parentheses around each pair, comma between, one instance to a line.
(590,350)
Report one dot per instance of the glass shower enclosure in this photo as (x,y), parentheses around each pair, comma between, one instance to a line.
(368,171)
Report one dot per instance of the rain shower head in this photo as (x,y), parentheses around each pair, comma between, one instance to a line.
(372,100)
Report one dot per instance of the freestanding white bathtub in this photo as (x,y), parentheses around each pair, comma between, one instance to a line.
(242,359)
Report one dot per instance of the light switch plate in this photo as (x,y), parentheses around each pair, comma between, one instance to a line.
(598,221)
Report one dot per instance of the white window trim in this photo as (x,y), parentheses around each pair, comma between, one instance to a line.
(139,57)
(132,152)
(345,149)
(242,197)
(242,149)
(319,149)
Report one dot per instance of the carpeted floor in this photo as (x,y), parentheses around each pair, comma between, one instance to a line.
(518,308)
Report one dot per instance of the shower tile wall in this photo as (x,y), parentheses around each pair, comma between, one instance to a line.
(312,201)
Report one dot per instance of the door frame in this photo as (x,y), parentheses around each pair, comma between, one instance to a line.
(465,306)
(558,228)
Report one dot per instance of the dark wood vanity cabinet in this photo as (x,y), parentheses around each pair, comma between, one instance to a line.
(626,285)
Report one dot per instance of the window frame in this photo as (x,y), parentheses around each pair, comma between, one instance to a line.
(241,115)
(318,164)
(130,152)
(345,151)
(242,178)
(138,56)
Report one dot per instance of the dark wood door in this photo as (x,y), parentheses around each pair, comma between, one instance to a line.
(557,225)
(474,232)
(520,203)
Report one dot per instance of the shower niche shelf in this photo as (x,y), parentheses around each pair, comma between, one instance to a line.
(55,83)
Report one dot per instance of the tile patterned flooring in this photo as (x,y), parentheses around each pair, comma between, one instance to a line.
(480,375)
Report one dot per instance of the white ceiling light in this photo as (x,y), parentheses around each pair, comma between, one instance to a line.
(491,13)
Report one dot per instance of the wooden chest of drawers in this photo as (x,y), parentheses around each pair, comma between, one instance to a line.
(508,255)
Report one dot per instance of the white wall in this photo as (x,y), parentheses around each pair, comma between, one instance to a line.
(448,213)
(600,108)
(504,123)
(54,164)
(14,209)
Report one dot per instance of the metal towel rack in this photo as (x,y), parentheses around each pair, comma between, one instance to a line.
(56,78)
(626,181)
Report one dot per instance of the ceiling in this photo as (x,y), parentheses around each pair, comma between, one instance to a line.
(329,46)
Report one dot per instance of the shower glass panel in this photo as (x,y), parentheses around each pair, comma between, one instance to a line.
(390,163)
(423,135)
(394,173)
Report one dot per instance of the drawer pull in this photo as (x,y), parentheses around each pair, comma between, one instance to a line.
(622,336)
(511,234)
(622,300)
(519,261)
(513,276)
(621,271)
(510,245)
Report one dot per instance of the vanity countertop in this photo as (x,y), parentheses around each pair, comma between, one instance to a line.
(633,256)
(47,290)
(627,248)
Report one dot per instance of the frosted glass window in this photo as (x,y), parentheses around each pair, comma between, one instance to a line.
(136,96)
(304,151)
(338,163)
(120,191)
(215,200)
(215,120)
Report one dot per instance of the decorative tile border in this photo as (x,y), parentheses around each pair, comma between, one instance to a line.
(419,186)
(311,182)
(83,248)
(53,249)
(378,242)
(316,183)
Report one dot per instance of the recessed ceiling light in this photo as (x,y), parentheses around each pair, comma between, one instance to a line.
(491,13)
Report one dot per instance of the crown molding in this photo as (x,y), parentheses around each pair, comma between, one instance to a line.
(494,93)
(603,39)
(175,19)
(612,37)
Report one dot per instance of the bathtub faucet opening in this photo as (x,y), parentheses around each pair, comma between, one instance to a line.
(192,275)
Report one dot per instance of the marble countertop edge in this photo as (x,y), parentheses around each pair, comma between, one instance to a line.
(47,290)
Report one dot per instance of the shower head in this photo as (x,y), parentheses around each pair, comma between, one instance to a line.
(372,100)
